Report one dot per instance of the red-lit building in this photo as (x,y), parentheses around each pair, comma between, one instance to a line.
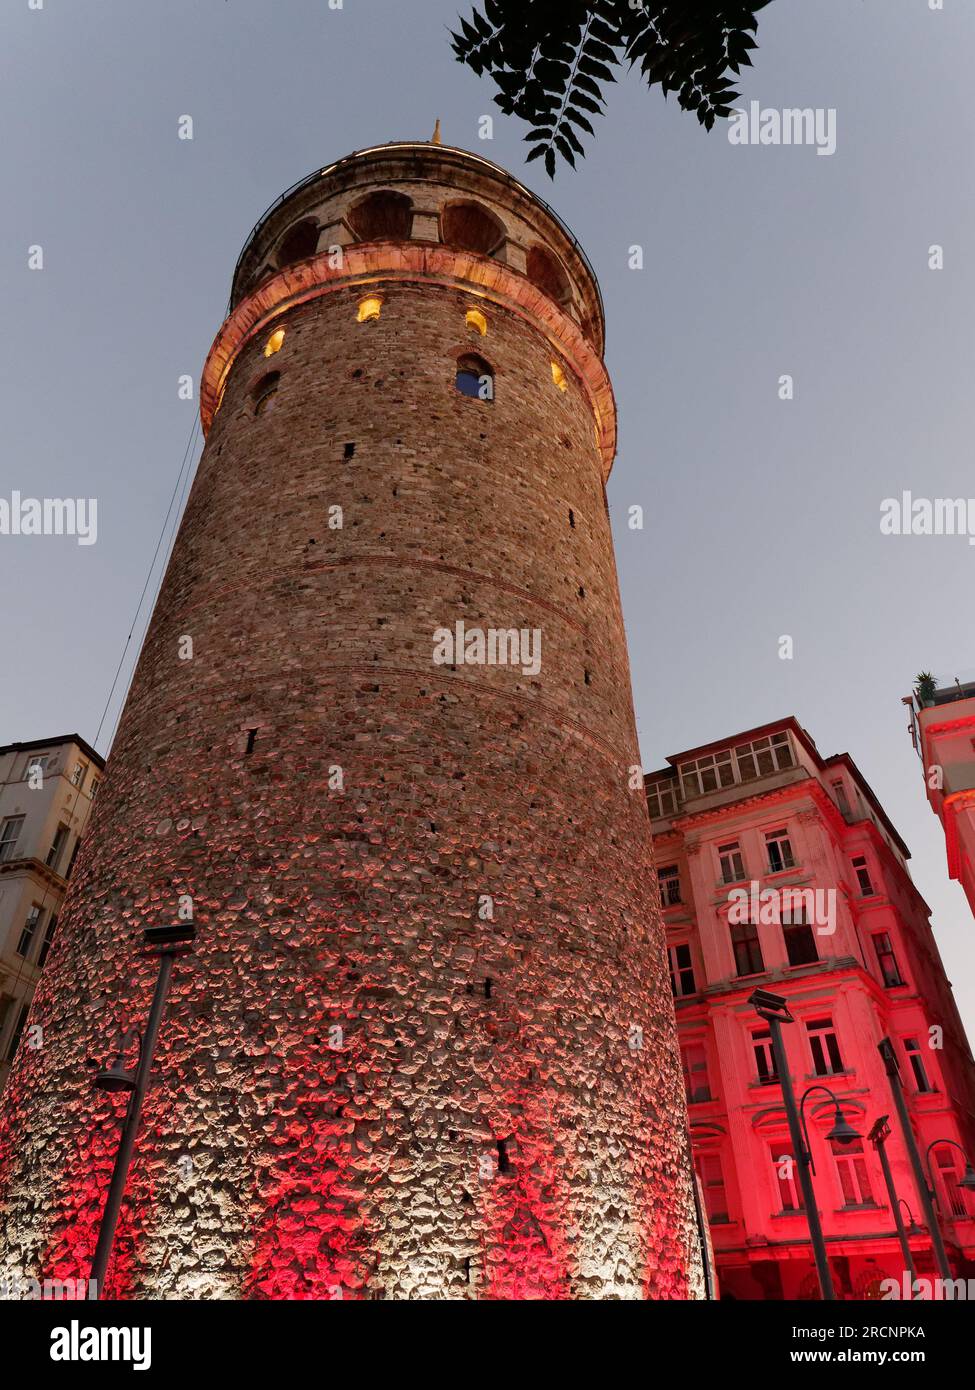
(779,869)
(943,730)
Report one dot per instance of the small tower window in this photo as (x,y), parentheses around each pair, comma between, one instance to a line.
(264,392)
(475,378)
(369,309)
(477,321)
(558,376)
(274,343)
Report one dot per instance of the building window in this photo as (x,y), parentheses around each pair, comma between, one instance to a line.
(863,876)
(27,932)
(93,789)
(681,970)
(887,960)
(18,1030)
(47,942)
(779,848)
(694,1060)
(712,1181)
(764,756)
(824,1047)
(748,950)
(264,392)
(851,1166)
(79,774)
(57,847)
(707,774)
(799,938)
(36,765)
(916,1059)
(839,791)
(669,882)
(9,834)
(274,343)
(369,309)
(476,320)
(764,1057)
(731,862)
(952,1195)
(558,376)
(661,799)
(475,378)
(786,1176)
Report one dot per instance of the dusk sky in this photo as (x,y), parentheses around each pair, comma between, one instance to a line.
(763,515)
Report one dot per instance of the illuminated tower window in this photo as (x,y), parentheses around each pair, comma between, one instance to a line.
(476,320)
(558,376)
(264,392)
(369,309)
(274,343)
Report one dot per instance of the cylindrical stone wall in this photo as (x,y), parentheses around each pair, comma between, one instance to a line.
(424,1046)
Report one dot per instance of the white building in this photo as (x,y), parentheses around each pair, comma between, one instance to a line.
(46,792)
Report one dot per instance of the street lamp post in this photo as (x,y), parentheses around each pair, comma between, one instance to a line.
(878,1136)
(774,1010)
(168,942)
(886,1049)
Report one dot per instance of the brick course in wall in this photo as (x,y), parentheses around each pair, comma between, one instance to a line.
(404,1059)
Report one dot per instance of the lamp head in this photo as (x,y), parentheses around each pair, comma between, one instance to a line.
(115,1078)
(842,1132)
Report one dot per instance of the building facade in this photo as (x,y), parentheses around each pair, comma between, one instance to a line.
(380,742)
(779,869)
(943,732)
(47,788)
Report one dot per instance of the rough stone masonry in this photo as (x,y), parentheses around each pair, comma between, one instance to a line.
(425,1044)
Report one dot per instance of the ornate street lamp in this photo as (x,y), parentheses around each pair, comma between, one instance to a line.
(774,1010)
(886,1049)
(166,942)
(878,1136)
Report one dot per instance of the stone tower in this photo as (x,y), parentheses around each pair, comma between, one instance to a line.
(425,1045)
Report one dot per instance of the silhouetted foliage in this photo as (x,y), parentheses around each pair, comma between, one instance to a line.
(549,58)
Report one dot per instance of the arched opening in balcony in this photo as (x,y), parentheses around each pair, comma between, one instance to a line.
(382,216)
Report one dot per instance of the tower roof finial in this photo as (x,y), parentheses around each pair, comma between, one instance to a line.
(435,137)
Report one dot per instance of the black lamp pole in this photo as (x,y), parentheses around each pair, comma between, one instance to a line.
(886,1049)
(168,942)
(878,1137)
(773,1009)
